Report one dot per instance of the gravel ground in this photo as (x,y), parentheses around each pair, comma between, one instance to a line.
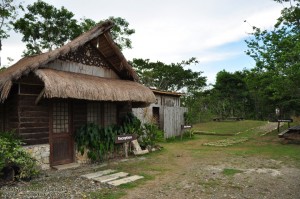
(55,184)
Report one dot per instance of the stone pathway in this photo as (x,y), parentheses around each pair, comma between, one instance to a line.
(112,177)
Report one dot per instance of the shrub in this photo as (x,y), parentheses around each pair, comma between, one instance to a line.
(151,135)
(99,141)
(14,158)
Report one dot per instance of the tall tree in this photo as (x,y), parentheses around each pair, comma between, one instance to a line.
(276,53)
(8,12)
(45,28)
(231,91)
(172,77)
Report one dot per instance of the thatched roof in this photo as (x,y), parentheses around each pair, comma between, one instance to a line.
(32,63)
(60,84)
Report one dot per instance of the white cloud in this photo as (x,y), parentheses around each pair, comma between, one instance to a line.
(174,30)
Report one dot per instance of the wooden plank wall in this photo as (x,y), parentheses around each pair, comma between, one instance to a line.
(11,111)
(33,119)
(173,119)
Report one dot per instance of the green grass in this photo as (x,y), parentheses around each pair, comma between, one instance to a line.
(231,172)
(227,127)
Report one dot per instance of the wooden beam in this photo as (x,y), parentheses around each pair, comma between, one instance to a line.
(40,96)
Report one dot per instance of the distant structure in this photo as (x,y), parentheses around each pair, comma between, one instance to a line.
(166,112)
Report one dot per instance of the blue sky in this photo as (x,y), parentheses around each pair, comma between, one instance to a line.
(174,30)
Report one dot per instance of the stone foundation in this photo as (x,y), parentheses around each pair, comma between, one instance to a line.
(41,153)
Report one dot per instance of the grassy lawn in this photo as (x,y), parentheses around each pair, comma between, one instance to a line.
(227,127)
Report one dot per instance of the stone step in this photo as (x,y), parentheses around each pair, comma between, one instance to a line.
(124,180)
(110,177)
(98,174)
(66,166)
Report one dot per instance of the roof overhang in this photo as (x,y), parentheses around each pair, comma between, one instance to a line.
(61,84)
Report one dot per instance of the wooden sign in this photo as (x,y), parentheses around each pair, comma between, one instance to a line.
(125,138)
(285,120)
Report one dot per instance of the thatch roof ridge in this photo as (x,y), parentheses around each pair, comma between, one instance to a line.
(31,63)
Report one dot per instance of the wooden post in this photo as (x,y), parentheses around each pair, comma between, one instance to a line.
(126,149)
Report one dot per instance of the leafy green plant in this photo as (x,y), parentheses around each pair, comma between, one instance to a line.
(132,125)
(14,158)
(151,135)
(98,141)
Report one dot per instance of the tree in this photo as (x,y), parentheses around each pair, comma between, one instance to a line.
(276,53)
(45,27)
(171,77)
(231,91)
(8,12)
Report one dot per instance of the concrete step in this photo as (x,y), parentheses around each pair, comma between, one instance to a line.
(66,166)
(110,177)
(98,174)
(124,180)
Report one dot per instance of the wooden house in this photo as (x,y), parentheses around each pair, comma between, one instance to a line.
(45,98)
(166,112)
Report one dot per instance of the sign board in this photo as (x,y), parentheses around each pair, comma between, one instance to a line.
(285,120)
(125,138)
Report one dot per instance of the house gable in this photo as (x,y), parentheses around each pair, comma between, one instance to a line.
(85,60)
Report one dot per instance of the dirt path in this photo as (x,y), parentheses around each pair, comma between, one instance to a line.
(196,175)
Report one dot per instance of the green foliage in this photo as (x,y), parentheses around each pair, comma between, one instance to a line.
(121,32)
(171,77)
(152,134)
(45,27)
(13,155)
(98,141)
(231,94)
(132,125)
(276,78)
(8,12)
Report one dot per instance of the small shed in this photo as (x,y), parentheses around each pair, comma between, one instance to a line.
(45,98)
(166,112)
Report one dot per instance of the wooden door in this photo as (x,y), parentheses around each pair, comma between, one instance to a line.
(61,139)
